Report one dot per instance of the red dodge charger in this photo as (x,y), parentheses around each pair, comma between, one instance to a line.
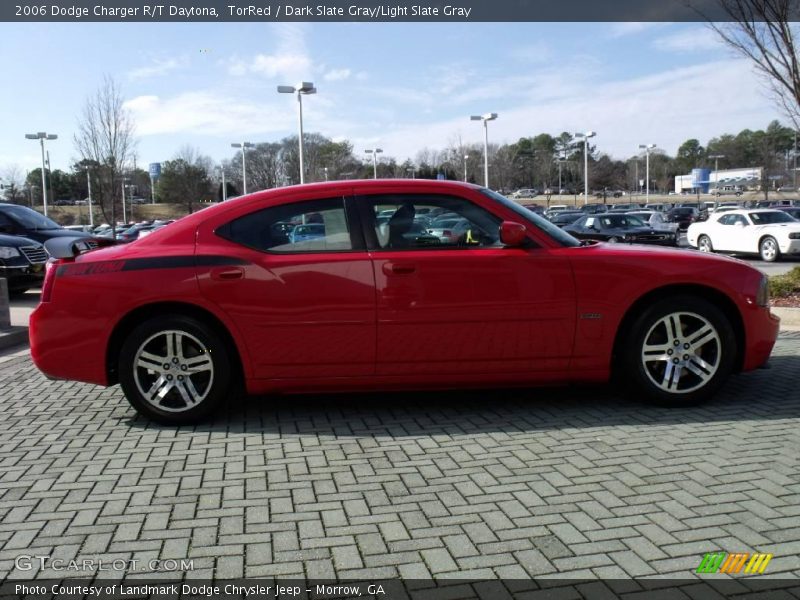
(246,296)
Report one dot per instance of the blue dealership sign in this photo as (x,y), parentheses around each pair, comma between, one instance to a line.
(155,170)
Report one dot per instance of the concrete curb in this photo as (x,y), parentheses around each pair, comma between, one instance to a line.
(790,317)
(14,336)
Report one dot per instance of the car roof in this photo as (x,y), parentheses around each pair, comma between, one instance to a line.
(355,186)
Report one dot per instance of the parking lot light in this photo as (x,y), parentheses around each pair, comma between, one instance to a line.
(585,137)
(301,89)
(374,153)
(42,136)
(647,148)
(485,118)
(716,158)
(244,146)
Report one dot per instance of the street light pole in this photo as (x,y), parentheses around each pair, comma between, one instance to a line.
(301,89)
(466,156)
(647,148)
(244,146)
(124,216)
(89,186)
(42,136)
(485,118)
(374,153)
(585,137)
(716,158)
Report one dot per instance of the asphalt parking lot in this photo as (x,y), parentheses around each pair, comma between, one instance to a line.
(566,483)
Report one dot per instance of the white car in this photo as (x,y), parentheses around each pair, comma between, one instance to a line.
(768,233)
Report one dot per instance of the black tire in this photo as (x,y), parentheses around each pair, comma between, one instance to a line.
(201,345)
(640,380)
(768,249)
(613,239)
(700,243)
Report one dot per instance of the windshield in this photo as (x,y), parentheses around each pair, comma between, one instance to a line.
(29,219)
(554,231)
(768,218)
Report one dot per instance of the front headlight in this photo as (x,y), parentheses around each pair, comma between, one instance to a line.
(762,297)
(8,252)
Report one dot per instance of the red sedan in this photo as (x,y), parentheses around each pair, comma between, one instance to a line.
(226,299)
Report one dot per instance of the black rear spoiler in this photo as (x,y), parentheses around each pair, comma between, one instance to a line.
(70,247)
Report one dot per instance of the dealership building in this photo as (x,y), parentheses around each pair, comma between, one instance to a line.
(729,179)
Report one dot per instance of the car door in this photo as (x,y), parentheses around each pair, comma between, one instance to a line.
(305,303)
(467,306)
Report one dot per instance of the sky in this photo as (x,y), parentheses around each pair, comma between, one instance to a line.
(397,86)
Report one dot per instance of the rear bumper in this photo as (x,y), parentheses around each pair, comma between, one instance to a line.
(66,346)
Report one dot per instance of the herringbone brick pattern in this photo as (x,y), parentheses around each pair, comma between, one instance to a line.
(514,484)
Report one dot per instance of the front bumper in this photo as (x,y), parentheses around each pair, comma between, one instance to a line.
(22,277)
(761,332)
(791,247)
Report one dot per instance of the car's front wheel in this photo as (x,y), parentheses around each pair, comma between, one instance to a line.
(174,369)
(769,250)
(704,244)
(679,351)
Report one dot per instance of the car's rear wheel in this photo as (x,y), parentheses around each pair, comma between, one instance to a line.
(613,239)
(768,249)
(679,351)
(174,369)
(704,244)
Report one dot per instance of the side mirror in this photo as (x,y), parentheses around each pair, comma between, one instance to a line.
(512,234)
(739,224)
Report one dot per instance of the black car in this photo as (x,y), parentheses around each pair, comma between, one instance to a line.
(22,262)
(593,209)
(683,216)
(21,220)
(619,227)
(792,211)
(566,217)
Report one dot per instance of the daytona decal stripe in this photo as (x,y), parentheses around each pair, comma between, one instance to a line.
(140,264)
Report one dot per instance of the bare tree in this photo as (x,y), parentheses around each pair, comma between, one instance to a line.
(106,136)
(765,31)
(11,184)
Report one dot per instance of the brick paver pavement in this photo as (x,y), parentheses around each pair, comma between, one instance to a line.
(513,484)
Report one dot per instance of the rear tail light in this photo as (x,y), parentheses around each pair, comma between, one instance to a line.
(51,268)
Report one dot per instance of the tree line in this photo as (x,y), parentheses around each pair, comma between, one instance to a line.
(105,143)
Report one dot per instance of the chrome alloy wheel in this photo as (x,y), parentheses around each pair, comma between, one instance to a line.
(681,352)
(173,371)
(704,245)
(769,249)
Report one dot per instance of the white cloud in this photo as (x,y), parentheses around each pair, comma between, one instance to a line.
(665,108)
(202,112)
(337,75)
(697,39)
(290,59)
(157,68)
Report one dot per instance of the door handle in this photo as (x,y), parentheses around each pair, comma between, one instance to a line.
(227,273)
(390,268)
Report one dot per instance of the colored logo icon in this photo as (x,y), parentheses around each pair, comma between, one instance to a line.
(732,563)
